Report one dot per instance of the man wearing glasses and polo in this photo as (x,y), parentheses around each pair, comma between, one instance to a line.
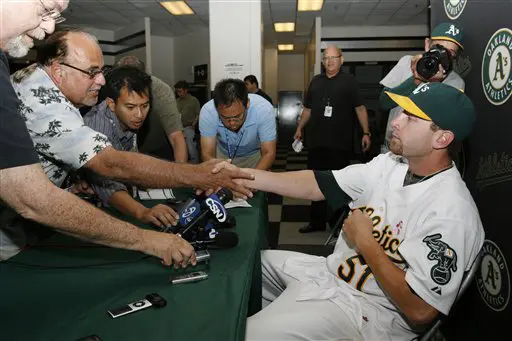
(238,126)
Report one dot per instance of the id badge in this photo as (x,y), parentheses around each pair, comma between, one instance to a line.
(328,111)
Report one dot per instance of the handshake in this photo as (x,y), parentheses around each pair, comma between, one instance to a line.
(207,177)
(214,174)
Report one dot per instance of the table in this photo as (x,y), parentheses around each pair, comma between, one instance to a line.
(60,296)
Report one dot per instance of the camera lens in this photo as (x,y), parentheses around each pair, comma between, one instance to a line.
(429,63)
(427,66)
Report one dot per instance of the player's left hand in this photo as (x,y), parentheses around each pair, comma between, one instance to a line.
(358,228)
(366,142)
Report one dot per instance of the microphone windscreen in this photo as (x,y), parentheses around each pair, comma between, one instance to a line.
(225,195)
(226,240)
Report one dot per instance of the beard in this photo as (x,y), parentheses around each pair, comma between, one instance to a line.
(395,146)
(18,47)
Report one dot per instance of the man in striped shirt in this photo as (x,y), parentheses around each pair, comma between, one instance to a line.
(118,117)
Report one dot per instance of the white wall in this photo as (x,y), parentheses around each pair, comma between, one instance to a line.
(189,50)
(139,53)
(312,52)
(290,72)
(318,39)
(235,39)
(162,58)
(142,53)
(269,84)
(106,35)
(374,31)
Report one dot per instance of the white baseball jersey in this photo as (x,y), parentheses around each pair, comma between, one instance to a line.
(430,229)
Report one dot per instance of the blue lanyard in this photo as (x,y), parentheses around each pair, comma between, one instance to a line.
(237,145)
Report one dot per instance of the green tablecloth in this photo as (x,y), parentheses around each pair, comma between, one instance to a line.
(60,296)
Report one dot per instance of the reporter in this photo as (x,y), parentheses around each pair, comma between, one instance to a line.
(25,188)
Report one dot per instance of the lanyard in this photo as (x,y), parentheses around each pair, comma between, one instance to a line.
(237,145)
(326,93)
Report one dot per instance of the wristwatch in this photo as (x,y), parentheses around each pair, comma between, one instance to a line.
(369,134)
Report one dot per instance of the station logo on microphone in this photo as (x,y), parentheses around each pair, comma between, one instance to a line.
(454,8)
(496,67)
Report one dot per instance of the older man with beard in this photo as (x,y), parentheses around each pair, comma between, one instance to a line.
(25,188)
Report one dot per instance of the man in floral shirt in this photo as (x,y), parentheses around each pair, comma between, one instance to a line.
(25,189)
(68,76)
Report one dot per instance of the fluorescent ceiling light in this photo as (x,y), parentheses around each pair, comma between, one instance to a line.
(285,47)
(177,7)
(310,5)
(284,26)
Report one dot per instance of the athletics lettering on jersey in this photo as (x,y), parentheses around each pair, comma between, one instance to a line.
(354,270)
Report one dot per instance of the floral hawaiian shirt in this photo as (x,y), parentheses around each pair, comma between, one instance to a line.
(60,137)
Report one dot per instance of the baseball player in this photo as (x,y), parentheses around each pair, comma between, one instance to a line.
(413,231)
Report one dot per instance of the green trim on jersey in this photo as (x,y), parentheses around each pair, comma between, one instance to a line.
(335,196)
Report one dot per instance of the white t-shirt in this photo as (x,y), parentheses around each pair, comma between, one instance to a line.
(431,230)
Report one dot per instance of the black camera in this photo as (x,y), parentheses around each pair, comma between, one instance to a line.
(429,63)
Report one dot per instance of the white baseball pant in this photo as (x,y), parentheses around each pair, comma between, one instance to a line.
(285,318)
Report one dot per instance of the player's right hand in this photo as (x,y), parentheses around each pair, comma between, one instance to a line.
(298,134)
(170,248)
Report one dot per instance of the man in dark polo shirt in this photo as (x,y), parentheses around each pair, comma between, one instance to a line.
(251,83)
(331,105)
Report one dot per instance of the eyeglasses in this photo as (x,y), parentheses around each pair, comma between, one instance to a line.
(237,118)
(51,14)
(91,73)
(331,58)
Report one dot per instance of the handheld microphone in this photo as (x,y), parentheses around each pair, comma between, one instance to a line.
(222,240)
(213,205)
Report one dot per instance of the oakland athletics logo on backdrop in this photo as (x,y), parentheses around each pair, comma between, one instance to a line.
(496,75)
(493,279)
(454,8)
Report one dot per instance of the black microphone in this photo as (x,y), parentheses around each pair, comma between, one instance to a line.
(222,240)
(213,205)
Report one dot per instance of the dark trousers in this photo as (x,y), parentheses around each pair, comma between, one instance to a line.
(325,159)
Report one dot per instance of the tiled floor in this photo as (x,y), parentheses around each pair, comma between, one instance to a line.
(288,214)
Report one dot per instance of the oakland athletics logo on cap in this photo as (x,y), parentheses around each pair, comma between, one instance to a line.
(454,8)
(496,70)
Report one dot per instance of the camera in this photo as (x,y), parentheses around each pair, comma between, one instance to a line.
(429,63)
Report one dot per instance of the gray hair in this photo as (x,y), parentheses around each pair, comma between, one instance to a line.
(131,61)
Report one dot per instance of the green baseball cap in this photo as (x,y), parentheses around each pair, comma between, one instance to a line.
(448,31)
(446,106)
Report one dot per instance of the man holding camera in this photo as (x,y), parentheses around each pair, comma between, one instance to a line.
(435,65)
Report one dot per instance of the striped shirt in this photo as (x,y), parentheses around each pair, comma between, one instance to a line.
(101,119)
